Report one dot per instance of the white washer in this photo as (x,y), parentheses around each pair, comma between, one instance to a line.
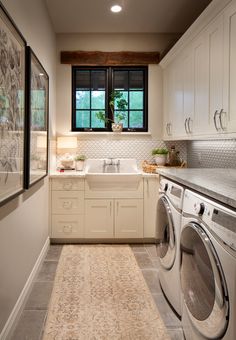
(169,210)
(208,269)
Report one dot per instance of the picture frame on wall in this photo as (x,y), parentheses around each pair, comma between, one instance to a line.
(12,108)
(36,166)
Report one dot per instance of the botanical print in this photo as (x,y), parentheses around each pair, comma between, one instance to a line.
(12,107)
(38,120)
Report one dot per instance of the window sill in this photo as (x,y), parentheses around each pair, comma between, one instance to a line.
(104,133)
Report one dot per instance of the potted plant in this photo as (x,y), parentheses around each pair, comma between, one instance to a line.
(116,97)
(160,155)
(79,162)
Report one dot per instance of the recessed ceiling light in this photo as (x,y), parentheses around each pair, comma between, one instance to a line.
(116,8)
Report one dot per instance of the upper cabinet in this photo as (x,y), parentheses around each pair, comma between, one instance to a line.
(200,81)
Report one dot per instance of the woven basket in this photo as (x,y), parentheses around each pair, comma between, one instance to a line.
(151,168)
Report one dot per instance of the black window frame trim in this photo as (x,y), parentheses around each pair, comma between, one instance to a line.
(109,87)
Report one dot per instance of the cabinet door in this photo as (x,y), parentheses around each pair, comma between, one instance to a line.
(99,218)
(201,83)
(215,45)
(229,101)
(167,93)
(129,218)
(187,120)
(151,194)
(177,106)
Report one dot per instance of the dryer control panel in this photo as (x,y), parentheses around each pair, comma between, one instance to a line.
(219,219)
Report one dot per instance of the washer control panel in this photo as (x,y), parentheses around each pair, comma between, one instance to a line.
(173,191)
(219,219)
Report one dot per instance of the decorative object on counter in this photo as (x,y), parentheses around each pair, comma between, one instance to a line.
(79,162)
(160,155)
(151,168)
(173,157)
(65,144)
(12,108)
(117,106)
(37,121)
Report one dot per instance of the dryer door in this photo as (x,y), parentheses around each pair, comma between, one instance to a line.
(202,282)
(166,247)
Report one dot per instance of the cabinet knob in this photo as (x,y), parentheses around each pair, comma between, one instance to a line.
(67,204)
(67,229)
(67,186)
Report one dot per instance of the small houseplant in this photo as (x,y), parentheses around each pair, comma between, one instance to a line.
(160,155)
(79,162)
(116,97)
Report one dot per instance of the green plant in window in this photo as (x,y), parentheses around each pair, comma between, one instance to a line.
(116,97)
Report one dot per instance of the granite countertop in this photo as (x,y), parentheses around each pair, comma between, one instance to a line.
(219,184)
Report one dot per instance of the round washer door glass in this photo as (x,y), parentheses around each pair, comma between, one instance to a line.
(202,282)
(165,234)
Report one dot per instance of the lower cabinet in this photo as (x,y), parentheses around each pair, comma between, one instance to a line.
(151,196)
(109,218)
(68,226)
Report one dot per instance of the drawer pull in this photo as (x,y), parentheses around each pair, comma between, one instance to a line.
(67,186)
(67,229)
(67,205)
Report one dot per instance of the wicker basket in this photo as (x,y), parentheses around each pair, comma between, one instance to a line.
(151,168)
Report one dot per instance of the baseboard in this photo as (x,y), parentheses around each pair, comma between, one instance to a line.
(101,240)
(15,314)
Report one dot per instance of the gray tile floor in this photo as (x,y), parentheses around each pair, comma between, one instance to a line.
(31,322)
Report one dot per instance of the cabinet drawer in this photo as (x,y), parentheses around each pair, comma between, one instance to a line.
(65,226)
(67,184)
(68,202)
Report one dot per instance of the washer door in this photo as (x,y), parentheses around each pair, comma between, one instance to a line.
(202,282)
(166,247)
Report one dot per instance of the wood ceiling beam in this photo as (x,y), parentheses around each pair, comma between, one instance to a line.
(97,58)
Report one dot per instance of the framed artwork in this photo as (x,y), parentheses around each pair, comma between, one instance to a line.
(12,108)
(37,121)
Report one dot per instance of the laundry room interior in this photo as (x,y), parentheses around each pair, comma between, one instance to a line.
(117,169)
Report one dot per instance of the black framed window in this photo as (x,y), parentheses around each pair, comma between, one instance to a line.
(91,91)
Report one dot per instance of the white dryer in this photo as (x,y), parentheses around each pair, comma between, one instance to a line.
(169,210)
(208,269)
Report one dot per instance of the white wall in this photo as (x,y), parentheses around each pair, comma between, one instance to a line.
(24,220)
(110,42)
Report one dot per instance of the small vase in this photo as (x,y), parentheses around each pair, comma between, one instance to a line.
(117,127)
(79,165)
(160,159)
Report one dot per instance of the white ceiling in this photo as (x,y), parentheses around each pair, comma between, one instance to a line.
(146,16)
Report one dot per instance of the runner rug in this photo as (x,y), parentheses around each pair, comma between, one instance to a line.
(100,294)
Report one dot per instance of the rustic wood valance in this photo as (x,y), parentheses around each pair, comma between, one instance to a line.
(97,58)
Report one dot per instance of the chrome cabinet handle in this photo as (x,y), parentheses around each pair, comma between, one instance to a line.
(189,129)
(170,129)
(220,119)
(117,207)
(167,129)
(110,208)
(215,114)
(185,125)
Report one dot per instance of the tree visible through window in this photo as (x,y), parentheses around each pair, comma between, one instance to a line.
(91,91)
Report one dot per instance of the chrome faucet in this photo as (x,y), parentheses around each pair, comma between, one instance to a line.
(111,163)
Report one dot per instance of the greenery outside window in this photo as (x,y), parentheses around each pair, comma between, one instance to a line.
(91,91)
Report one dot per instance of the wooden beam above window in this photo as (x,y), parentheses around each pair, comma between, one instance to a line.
(97,58)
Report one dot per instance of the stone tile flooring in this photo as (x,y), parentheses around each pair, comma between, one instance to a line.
(31,322)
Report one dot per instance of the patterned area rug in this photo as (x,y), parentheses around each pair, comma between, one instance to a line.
(100,294)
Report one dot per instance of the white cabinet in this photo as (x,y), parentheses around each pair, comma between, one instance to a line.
(99,218)
(119,218)
(151,194)
(67,208)
(200,81)
(228,115)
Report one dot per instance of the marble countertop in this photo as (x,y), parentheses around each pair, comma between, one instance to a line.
(82,174)
(219,184)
